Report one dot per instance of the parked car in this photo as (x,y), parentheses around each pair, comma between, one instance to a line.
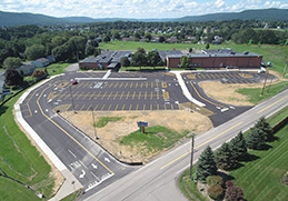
(74,82)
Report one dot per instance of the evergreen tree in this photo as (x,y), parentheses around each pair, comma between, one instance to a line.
(224,158)
(255,139)
(238,147)
(206,165)
(264,126)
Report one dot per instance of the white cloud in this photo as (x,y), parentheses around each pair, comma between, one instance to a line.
(135,8)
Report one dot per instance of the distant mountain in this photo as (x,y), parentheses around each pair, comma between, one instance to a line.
(16,19)
(271,14)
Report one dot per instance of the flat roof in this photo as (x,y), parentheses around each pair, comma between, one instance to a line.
(107,56)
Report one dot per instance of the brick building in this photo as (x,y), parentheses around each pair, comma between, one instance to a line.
(217,59)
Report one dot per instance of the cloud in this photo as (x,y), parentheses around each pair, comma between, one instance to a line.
(135,8)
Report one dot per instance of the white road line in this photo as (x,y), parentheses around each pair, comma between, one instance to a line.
(72,153)
(83,164)
(94,176)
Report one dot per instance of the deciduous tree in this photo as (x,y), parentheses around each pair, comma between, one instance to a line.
(12,77)
(12,62)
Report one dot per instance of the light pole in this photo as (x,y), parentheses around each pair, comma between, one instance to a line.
(191,158)
(94,126)
(72,99)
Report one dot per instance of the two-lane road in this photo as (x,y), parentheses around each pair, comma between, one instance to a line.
(157,180)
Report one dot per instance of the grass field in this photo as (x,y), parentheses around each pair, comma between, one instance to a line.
(20,161)
(260,178)
(155,138)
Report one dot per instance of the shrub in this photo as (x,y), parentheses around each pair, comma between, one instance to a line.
(214,180)
(215,192)
(233,193)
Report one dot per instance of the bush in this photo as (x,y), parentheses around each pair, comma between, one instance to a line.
(214,180)
(233,193)
(215,192)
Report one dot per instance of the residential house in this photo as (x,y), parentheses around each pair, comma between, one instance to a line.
(26,69)
(40,63)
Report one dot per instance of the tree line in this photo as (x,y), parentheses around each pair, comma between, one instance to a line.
(227,158)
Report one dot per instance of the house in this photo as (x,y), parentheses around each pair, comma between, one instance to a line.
(40,63)
(26,69)
(51,59)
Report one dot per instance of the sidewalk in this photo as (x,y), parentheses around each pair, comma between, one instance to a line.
(185,89)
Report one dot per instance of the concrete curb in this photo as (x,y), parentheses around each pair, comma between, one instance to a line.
(71,184)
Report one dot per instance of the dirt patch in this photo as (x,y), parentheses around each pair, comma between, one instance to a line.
(227,93)
(177,120)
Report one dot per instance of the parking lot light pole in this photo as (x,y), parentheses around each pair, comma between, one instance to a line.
(72,101)
(94,125)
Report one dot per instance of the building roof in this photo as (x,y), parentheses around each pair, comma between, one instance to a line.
(107,56)
(42,60)
(217,53)
(164,53)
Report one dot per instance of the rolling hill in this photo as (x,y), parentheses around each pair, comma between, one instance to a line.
(16,19)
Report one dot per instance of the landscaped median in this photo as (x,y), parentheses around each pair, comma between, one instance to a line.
(261,175)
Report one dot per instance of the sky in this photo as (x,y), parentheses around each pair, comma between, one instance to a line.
(137,9)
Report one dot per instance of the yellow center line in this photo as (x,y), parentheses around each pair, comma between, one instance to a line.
(260,111)
(71,137)
(197,147)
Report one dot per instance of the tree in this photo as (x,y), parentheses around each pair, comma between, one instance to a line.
(207,46)
(161,39)
(154,59)
(224,159)
(233,193)
(106,39)
(215,192)
(255,139)
(34,52)
(139,58)
(125,62)
(238,147)
(13,77)
(62,53)
(38,73)
(206,165)
(12,62)
(264,126)
(77,45)
(184,62)
(148,36)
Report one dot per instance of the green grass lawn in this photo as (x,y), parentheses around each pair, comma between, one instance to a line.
(20,160)
(260,178)
(56,68)
(103,121)
(155,138)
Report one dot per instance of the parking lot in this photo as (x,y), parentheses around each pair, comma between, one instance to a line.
(138,90)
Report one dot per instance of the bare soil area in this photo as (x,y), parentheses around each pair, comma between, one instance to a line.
(177,120)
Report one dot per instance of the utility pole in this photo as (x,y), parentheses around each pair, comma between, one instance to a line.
(191,159)
(264,85)
(94,126)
